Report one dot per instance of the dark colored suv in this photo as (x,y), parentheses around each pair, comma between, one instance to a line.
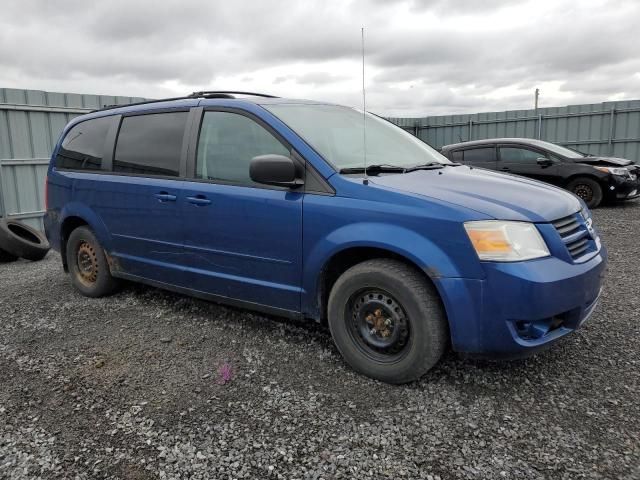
(592,178)
(266,203)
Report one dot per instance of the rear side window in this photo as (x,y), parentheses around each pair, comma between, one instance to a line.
(150,144)
(83,146)
(228,142)
(480,155)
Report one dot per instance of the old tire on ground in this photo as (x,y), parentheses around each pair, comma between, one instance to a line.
(587,189)
(387,320)
(88,266)
(21,240)
(6,257)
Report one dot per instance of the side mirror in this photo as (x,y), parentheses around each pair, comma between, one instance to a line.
(544,162)
(274,170)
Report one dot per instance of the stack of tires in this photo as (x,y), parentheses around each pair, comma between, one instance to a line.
(18,240)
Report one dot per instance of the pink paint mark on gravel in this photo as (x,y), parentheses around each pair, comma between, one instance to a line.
(225,373)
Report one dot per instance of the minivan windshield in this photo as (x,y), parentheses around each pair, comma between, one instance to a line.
(337,133)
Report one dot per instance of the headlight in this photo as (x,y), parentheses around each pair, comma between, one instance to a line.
(503,241)
(622,172)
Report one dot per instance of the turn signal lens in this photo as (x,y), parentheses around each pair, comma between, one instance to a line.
(504,241)
(489,241)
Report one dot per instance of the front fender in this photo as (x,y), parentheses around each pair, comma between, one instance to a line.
(418,249)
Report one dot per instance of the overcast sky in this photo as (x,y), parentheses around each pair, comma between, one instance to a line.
(422,57)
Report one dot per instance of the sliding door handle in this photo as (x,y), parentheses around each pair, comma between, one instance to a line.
(165,197)
(199,200)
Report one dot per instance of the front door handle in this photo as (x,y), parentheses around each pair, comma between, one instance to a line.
(199,200)
(165,197)
(505,169)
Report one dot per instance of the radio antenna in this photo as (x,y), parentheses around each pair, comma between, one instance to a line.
(364,114)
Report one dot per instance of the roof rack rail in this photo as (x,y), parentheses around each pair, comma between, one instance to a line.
(203,94)
(111,107)
(230,93)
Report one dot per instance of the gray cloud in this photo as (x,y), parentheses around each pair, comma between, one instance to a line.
(423,57)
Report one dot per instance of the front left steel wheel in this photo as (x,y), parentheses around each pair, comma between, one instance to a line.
(387,320)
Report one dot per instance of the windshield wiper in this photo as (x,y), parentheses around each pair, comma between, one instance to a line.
(375,168)
(431,166)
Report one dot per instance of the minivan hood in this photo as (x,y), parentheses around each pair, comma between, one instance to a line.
(604,161)
(504,197)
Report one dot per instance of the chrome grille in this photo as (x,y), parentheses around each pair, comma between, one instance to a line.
(576,235)
(566,225)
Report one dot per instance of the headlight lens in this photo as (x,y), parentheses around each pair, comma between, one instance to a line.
(622,172)
(503,241)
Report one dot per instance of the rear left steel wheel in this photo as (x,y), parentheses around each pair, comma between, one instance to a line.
(387,321)
(88,266)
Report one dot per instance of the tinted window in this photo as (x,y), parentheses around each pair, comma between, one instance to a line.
(228,142)
(456,156)
(480,155)
(519,155)
(83,146)
(150,144)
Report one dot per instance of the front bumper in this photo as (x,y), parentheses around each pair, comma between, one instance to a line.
(624,188)
(523,307)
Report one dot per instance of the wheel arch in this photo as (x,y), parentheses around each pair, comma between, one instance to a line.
(77,215)
(601,180)
(67,226)
(345,258)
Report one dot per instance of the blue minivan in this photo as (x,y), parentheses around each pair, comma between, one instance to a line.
(318,211)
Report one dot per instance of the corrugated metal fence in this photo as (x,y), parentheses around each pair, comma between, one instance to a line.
(31,121)
(30,124)
(609,128)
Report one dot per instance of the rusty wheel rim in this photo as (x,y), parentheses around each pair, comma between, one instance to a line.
(87,263)
(379,325)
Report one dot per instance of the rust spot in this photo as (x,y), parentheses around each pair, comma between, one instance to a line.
(113,263)
(379,322)
(432,272)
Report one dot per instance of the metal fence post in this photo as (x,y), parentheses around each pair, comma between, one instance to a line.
(612,126)
(470,129)
(2,214)
(540,127)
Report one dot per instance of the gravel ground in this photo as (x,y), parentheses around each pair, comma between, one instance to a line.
(148,384)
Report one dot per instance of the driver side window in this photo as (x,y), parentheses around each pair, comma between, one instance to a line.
(228,141)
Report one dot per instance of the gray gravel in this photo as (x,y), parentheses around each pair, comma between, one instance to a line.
(148,384)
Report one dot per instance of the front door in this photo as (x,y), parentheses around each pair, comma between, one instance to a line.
(242,240)
(524,161)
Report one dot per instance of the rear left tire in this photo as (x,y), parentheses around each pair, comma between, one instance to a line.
(88,266)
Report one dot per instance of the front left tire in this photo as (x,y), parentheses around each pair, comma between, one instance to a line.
(387,320)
